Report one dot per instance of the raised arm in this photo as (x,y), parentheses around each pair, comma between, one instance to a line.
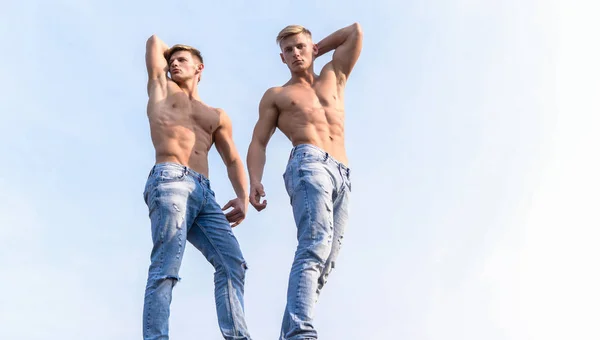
(157,66)
(347,43)
(235,170)
(264,129)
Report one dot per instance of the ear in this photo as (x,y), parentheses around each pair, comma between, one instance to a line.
(315,50)
(200,67)
(281,55)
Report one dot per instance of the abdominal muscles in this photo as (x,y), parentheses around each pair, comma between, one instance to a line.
(186,145)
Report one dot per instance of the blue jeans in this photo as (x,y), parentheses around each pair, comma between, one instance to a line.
(319,189)
(182,206)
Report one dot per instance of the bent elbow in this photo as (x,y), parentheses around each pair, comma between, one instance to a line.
(357,29)
(153,40)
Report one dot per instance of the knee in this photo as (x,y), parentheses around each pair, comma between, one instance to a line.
(238,271)
(317,253)
(235,270)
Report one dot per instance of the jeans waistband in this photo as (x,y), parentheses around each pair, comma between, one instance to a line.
(325,156)
(186,170)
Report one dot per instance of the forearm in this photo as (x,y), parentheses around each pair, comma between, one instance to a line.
(237,176)
(335,39)
(257,155)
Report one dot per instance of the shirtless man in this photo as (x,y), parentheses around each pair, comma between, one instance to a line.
(178,194)
(309,110)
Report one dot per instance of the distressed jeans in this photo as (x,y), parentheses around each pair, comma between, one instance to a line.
(182,206)
(319,189)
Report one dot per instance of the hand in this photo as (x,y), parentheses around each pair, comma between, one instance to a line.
(256,192)
(238,213)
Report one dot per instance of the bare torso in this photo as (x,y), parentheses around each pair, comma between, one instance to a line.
(182,129)
(314,114)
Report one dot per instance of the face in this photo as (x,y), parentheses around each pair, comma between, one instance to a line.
(298,52)
(183,66)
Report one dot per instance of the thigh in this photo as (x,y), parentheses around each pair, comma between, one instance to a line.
(312,204)
(170,208)
(169,205)
(340,220)
(212,234)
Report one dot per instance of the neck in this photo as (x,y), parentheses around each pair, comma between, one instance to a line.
(305,76)
(190,88)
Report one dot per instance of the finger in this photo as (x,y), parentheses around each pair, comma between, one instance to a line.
(233,212)
(240,220)
(235,217)
(259,194)
(261,206)
(258,206)
(253,200)
(228,205)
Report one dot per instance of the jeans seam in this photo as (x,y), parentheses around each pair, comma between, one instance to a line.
(160,258)
(229,287)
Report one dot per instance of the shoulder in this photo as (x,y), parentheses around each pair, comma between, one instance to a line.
(222,116)
(270,95)
(272,92)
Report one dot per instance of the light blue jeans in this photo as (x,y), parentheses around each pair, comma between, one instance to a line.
(319,189)
(182,206)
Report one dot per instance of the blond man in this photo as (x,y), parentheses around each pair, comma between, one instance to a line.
(309,110)
(180,200)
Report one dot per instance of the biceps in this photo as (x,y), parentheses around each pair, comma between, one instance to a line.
(225,146)
(264,129)
(346,56)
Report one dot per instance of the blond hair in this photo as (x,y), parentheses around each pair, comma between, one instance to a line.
(180,47)
(290,30)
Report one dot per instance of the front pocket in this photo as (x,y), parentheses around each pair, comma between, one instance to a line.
(171,175)
(287,182)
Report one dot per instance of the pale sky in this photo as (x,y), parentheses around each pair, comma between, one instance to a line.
(471,129)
